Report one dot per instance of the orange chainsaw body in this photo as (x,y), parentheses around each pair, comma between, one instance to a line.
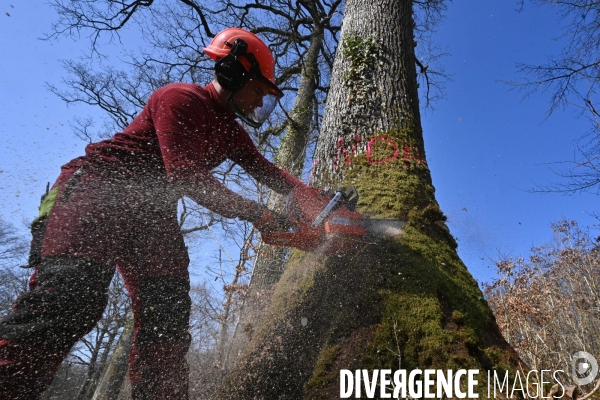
(335,234)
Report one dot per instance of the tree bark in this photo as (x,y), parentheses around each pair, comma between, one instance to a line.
(407,303)
(112,380)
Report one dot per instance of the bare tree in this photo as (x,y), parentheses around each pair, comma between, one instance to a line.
(113,381)
(302,124)
(548,305)
(572,78)
(96,348)
(13,253)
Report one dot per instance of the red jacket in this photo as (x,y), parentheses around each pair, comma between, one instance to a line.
(182,133)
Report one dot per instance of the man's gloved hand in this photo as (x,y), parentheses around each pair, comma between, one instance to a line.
(310,200)
(270,222)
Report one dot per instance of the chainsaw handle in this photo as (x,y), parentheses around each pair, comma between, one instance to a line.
(327,210)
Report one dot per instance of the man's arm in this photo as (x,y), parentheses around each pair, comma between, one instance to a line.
(252,161)
(207,191)
(178,120)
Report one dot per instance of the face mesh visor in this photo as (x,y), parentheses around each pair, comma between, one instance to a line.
(261,114)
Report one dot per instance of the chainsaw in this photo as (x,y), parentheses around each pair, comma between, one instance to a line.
(327,222)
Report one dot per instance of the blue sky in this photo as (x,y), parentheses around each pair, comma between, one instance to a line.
(485,145)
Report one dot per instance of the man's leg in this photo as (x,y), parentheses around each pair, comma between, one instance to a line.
(68,291)
(157,279)
(67,301)
(157,365)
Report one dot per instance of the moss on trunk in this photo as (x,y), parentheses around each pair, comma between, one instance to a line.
(406,303)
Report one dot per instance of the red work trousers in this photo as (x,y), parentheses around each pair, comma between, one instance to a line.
(102,220)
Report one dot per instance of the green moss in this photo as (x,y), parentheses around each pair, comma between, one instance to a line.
(458,317)
(323,373)
(361,58)
(502,364)
(500,361)
(412,326)
(360,54)
(427,287)
(295,282)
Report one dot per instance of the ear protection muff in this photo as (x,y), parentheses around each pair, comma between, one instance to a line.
(230,70)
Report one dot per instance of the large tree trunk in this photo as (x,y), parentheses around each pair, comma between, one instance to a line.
(394,304)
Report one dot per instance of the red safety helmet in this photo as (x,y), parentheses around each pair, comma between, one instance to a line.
(242,56)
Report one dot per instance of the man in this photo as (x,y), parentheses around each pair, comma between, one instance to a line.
(117,207)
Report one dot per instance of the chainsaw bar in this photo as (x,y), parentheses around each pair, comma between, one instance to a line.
(327,210)
(386,228)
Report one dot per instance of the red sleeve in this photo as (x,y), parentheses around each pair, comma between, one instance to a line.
(249,158)
(180,119)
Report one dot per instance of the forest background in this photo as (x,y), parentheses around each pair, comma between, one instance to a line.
(490,150)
